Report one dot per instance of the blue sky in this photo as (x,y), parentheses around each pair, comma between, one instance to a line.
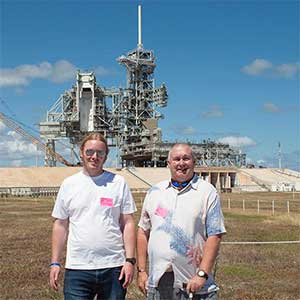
(231,67)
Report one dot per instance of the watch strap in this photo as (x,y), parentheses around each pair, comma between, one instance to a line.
(131,260)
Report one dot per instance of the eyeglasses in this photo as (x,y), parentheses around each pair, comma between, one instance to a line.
(91,152)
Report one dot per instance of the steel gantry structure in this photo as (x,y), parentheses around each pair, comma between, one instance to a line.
(127,117)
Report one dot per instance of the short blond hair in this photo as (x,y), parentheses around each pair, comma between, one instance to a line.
(94,136)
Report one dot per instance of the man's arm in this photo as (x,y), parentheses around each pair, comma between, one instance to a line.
(210,252)
(142,245)
(129,238)
(59,236)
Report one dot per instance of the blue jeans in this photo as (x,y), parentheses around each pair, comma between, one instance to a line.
(86,284)
(165,291)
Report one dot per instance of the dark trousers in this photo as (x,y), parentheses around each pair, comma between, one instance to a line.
(86,284)
(165,291)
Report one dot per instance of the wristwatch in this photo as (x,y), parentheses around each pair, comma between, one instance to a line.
(202,274)
(140,270)
(132,260)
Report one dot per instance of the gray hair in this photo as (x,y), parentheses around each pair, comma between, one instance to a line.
(181,144)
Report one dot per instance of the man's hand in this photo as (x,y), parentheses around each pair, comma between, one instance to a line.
(142,281)
(127,272)
(54,273)
(195,284)
(59,236)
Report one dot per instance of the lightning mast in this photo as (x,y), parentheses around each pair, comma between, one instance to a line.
(140,45)
(279,155)
(143,99)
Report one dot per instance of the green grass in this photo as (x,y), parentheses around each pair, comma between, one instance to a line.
(244,272)
(243,217)
(241,271)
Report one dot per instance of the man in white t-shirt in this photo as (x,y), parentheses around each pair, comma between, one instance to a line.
(180,230)
(94,213)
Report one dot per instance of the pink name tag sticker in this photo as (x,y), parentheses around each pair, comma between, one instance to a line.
(160,211)
(106,201)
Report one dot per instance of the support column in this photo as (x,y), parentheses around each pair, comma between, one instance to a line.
(218,183)
(228,181)
(50,160)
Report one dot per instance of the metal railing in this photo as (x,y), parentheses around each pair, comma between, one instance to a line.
(28,191)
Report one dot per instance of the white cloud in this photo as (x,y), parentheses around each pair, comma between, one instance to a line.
(261,162)
(19,148)
(14,135)
(287,70)
(258,66)
(189,130)
(2,128)
(59,72)
(14,149)
(263,67)
(270,107)
(63,71)
(184,130)
(214,112)
(23,74)
(237,141)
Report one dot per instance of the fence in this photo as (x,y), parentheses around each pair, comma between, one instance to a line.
(244,201)
(43,192)
(28,192)
(262,206)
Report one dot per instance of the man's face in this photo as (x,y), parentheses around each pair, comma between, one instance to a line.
(181,163)
(93,157)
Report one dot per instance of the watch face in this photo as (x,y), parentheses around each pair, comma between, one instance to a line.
(202,274)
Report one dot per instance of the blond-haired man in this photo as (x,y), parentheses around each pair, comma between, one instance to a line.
(94,211)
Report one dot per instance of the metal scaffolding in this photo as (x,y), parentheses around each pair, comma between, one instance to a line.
(127,117)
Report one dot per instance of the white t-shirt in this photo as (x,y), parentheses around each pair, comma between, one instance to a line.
(93,206)
(179,224)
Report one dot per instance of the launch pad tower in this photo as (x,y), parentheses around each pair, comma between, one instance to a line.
(127,117)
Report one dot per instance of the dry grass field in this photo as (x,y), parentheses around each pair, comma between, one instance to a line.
(244,272)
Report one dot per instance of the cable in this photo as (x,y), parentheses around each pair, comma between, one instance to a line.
(260,243)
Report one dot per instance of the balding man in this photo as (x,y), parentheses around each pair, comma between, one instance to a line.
(180,229)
